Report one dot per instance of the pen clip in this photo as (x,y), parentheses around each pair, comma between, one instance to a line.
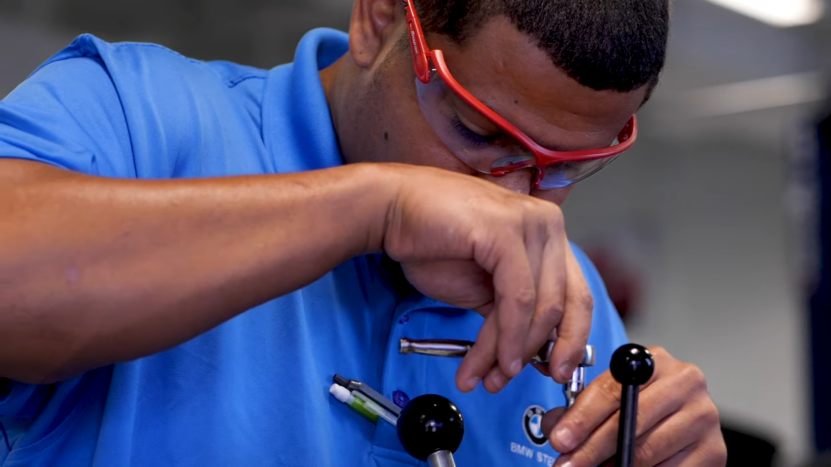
(369,393)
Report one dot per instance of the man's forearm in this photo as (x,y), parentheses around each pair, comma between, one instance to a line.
(95,271)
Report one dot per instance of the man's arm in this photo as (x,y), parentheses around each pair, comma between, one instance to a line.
(96,271)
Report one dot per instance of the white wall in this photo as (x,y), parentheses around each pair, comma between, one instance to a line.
(715,243)
(23,47)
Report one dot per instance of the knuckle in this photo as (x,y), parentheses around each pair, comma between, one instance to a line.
(658,351)
(528,206)
(554,210)
(694,376)
(555,217)
(543,212)
(644,452)
(611,392)
(552,313)
(703,417)
(577,423)
(525,298)
(710,416)
(586,300)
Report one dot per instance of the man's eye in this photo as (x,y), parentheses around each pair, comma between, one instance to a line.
(469,135)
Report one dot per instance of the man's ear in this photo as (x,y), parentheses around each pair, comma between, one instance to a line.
(373,22)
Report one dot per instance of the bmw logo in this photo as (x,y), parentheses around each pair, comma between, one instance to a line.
(532,425)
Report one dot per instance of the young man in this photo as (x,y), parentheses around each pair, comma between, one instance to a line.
(190,251)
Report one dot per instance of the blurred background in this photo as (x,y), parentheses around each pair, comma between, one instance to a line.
(710,234)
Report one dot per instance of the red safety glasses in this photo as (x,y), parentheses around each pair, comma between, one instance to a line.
(511,149)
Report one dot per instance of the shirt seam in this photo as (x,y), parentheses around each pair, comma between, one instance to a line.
(231,83)
(158,47)
(236,81)
(57,433)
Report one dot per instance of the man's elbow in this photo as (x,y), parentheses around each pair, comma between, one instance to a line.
(31,354)
(32,373)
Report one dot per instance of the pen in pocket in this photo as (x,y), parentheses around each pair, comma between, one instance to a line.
(359,403)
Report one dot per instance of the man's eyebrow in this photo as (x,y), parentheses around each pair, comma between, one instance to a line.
(535,138)
(556,146)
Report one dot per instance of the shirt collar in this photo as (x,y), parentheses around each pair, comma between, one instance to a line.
(297,124)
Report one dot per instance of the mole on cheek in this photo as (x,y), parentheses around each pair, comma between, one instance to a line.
(386,136)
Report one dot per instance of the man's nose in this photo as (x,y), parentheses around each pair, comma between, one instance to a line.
(521,181)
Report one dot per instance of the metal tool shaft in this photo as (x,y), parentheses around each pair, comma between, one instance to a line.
(438,347)
(460,348)
(575,385)
(441,459)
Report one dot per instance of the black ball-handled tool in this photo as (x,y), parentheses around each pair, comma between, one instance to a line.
(631,366)
(431,428)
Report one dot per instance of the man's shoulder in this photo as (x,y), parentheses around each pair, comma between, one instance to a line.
(131,61)
(136,110)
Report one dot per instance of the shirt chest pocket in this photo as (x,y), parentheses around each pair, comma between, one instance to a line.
(500,430)
(506,429)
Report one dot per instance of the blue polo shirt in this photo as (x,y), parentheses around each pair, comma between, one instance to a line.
(253,391)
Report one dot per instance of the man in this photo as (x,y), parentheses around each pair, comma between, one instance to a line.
(192,250)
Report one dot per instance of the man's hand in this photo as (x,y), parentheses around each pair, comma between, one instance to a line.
(475,245)
(678,423)
(460,239)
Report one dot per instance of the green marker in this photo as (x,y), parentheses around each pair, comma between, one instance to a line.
(355,403)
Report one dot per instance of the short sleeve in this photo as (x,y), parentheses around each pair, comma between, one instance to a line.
(68,114)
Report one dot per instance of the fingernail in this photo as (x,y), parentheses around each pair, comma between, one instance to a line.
(565,439)
(515,368)
(473,382)
(565,371)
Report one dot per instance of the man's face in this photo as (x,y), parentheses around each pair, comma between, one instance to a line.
(505,70)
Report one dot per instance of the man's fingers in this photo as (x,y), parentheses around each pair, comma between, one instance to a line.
(496,380)
(600,401)
(685,458)
(481,358)
(674,412)
(573,331)
(551,418)
(674,434)
(669,436)
(551,294)
(710,453)
(515,300)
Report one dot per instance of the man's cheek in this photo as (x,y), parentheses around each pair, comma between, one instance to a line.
(557,196)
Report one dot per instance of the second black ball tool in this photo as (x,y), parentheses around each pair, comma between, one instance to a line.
(631,366)
(430,429)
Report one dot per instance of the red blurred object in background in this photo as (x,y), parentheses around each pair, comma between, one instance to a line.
(623,282)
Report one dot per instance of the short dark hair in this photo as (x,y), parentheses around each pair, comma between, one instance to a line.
(615,45)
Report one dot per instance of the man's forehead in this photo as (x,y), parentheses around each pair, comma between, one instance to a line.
(506,70)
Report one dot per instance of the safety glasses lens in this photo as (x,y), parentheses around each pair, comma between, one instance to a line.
(445,111)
